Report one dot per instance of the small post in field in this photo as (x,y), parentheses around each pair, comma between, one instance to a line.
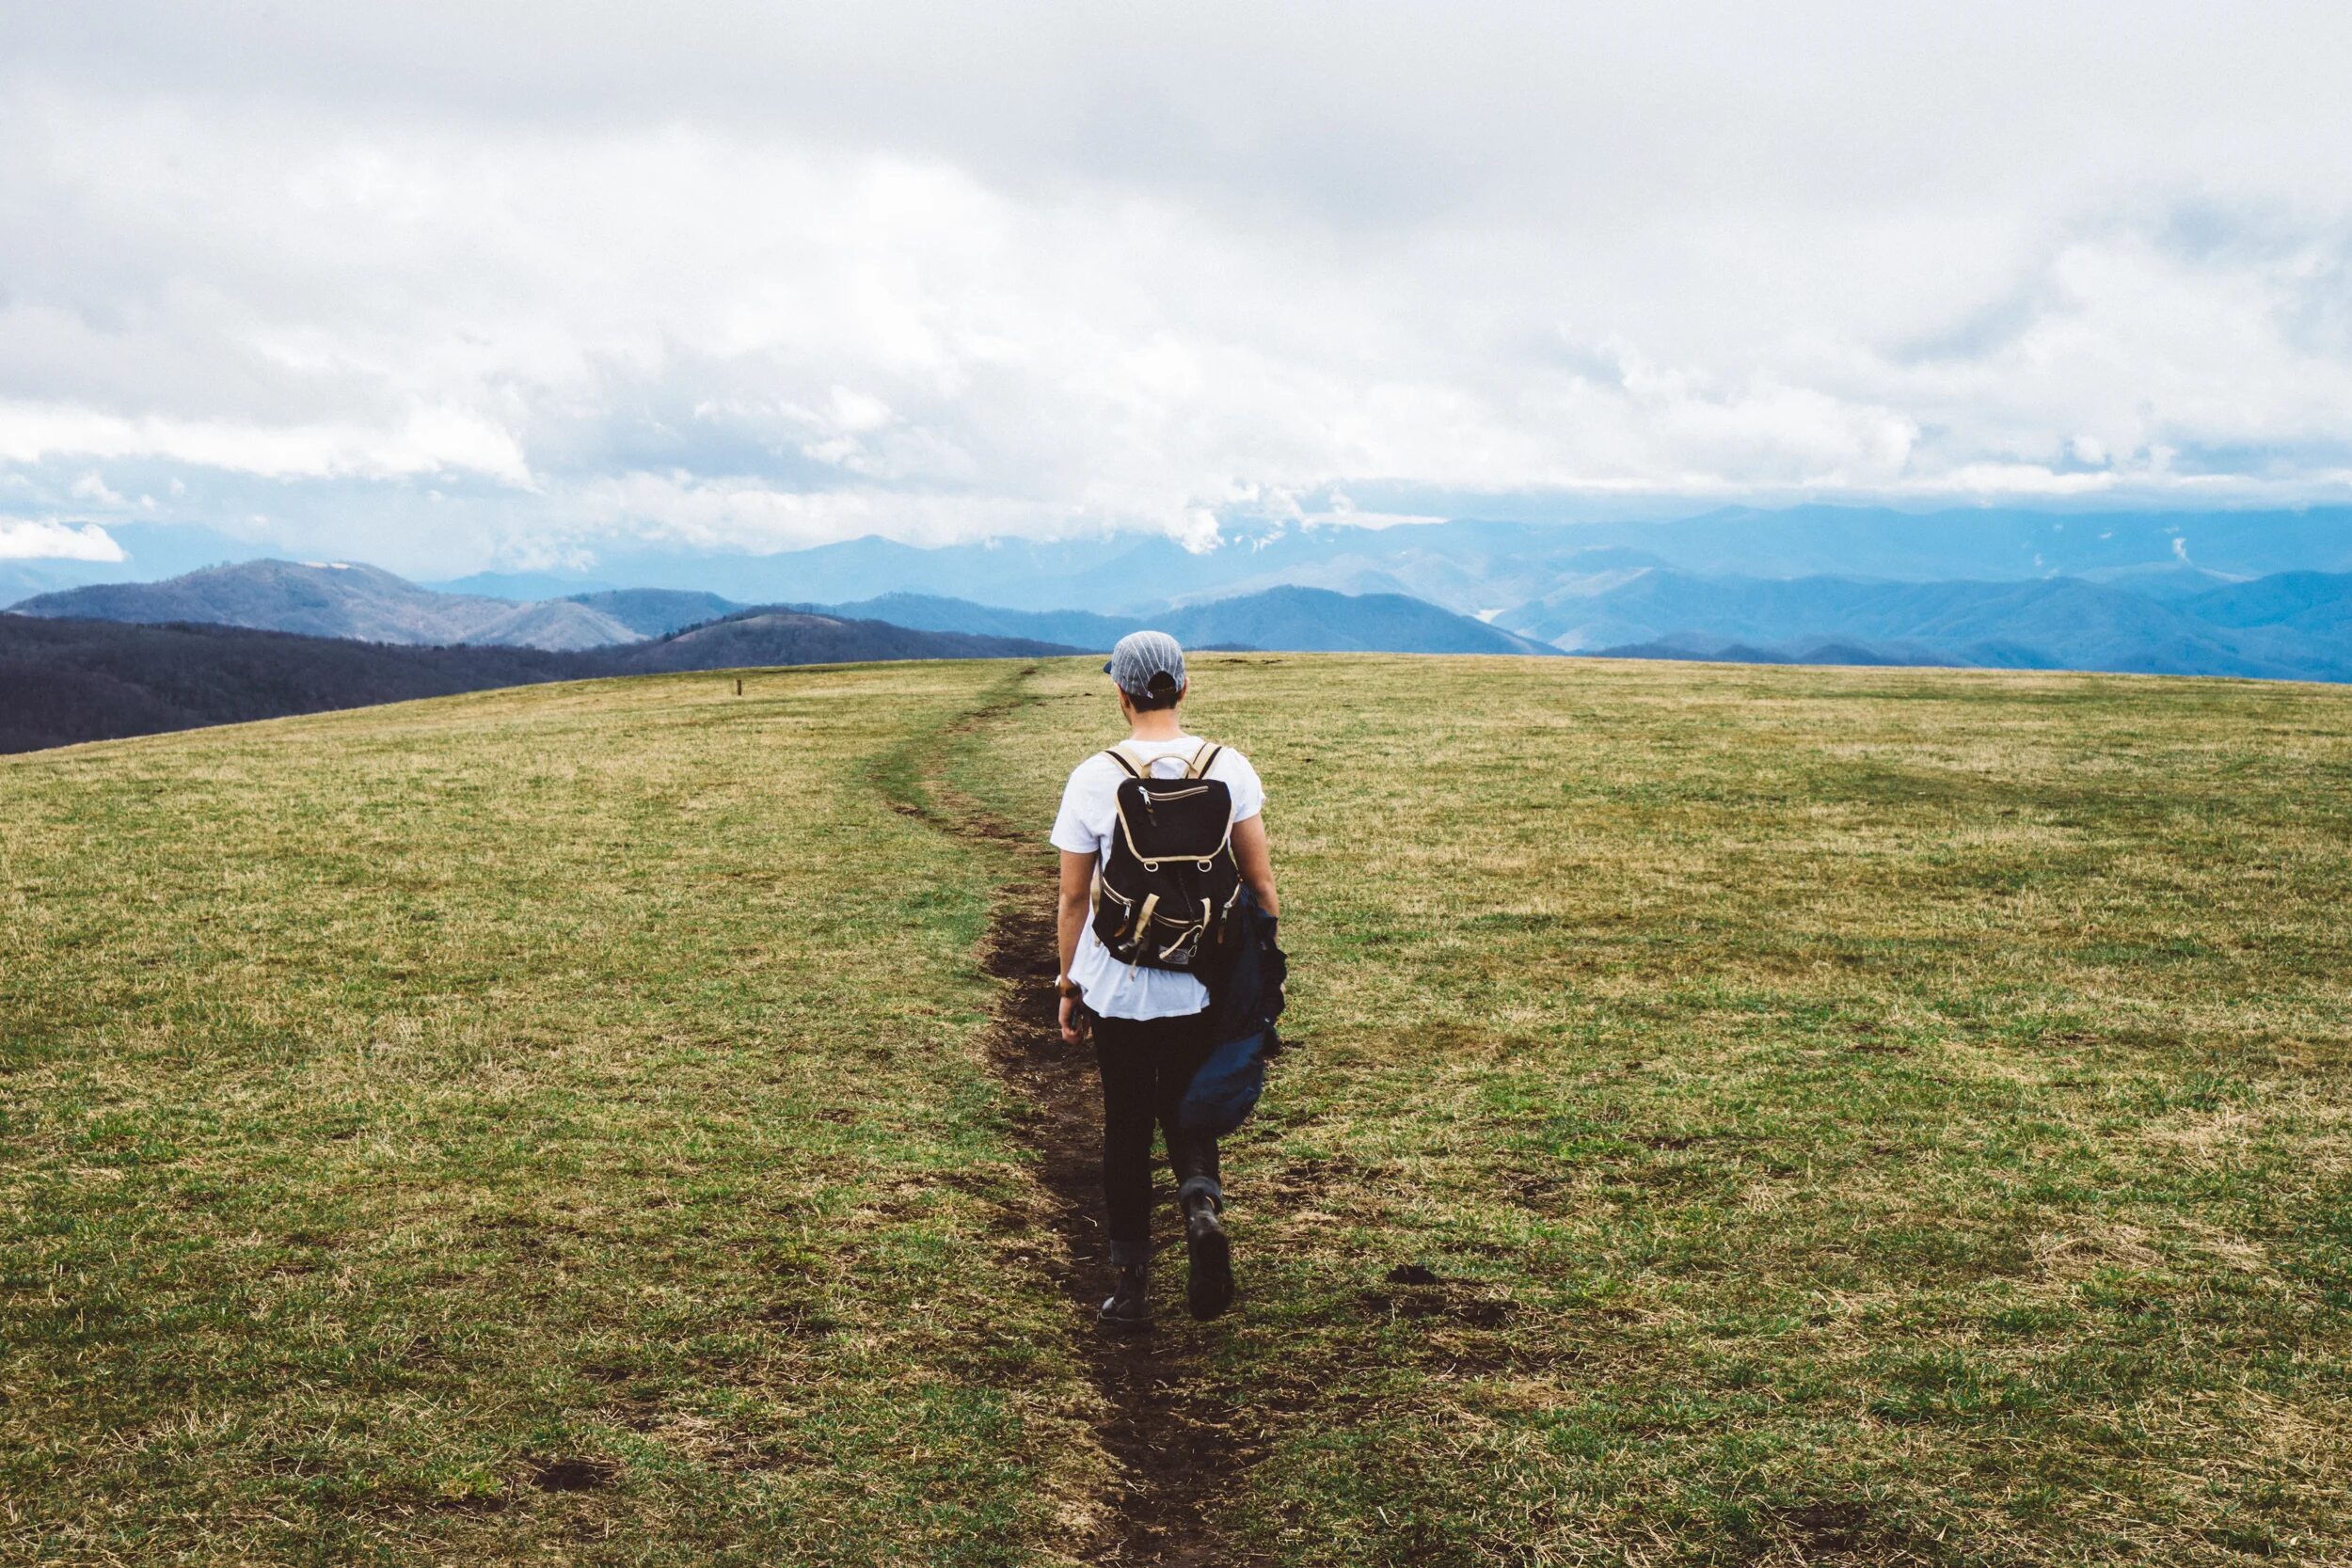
(738,685)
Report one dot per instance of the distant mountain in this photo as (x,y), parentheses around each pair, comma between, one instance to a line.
(1078,627)
(65,679)
(2318,603)
(1983,542)
(777,636)
(371,605)
(21,579)
(2168,581)
(2292,631)
(1469,565)
(523,586)
(1305,620)
(659,611)
(337,600)
(1316,620)
(1741,652)
(149,551)
(1479,567)
(2149,595)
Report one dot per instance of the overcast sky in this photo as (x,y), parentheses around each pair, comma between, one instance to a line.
(448,286)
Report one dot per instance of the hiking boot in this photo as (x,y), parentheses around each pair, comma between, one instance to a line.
(1129,1305)
(1209,1282)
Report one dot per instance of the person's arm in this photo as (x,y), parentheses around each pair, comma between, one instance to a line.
(1077,883)
(1256,862)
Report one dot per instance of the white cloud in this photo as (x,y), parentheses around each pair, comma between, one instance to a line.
(423,441)
(454,282)
(46,539)
(92,487)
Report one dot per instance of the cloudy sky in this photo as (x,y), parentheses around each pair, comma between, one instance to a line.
(450,286)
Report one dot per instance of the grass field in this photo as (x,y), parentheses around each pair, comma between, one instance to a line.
(1742,1116)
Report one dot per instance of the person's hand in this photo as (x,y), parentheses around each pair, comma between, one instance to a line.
(1074,1021)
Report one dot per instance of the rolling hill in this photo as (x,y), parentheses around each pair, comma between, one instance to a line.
(659,611)
(318,599)
(63,681)
(66,681)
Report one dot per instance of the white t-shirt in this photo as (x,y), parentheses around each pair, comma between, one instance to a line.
(1090,813)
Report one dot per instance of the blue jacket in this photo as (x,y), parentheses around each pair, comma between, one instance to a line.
(1245,999)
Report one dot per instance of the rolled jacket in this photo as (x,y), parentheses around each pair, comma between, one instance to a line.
(1245,999)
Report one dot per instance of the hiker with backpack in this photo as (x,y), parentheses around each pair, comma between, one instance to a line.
(1166,879)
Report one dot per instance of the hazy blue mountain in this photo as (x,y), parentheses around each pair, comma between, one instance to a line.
(772,636)
(1295,619)
(21,579)
(2316,603)
(659,611)
(151,551)
(1078,628)
(2256,593)
(524,586)
(1015,572)
(363,602)
(1315,619)
(1472,566)
(1479,567)
(2063,623)
(1985,543)
(2168,582)
(336,600)
(1742,653)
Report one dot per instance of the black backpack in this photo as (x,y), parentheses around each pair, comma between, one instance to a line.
(1165,897)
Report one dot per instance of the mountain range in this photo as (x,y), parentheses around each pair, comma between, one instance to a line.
(337,599)
(2233,593)
(1299,619)
(2294,626)
(1480,567)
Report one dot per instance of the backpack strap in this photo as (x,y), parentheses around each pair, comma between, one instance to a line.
(1137,766)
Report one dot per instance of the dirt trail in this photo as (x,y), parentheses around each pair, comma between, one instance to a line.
(1173,1450)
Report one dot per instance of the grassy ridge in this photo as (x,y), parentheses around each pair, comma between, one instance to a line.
(1776,1115)
(1746,1116)
(537,1125)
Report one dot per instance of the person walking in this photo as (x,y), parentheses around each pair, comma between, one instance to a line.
(1149,887)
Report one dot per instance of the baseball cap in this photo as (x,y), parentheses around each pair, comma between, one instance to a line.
(1146,664)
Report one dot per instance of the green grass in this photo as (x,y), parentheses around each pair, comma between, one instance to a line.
(1901,1115)
(1861,1116)
(400,1104)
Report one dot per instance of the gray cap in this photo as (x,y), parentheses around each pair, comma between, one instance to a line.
(1140,657)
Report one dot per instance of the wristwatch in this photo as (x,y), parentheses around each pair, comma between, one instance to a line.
(1068,986)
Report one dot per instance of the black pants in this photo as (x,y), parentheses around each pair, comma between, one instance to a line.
(1147,1065)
